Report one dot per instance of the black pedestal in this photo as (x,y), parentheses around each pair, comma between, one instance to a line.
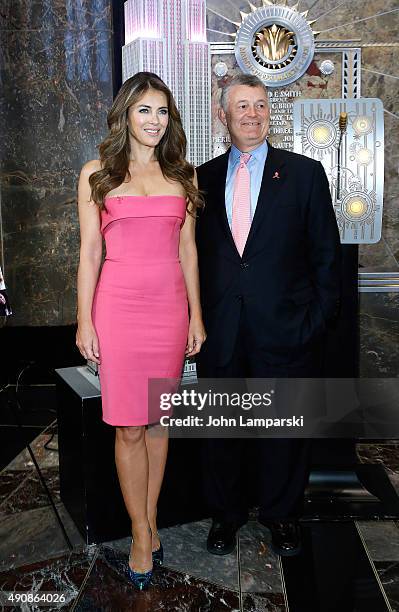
(357,492)
(89,484)
(339,487)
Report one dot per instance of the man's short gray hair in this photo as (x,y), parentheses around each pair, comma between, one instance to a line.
(241,79)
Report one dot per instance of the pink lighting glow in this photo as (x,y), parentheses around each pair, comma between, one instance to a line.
(142,34)
(196,21)
(142,20)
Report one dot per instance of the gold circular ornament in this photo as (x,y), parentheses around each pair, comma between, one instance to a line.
(274,47)
(321,134)
(275,43)
(357,206)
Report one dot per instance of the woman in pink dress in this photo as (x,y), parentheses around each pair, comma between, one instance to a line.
(142,314)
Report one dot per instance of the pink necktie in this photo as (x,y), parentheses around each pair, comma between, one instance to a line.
(241,223)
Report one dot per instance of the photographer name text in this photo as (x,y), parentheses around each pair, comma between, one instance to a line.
(222,421)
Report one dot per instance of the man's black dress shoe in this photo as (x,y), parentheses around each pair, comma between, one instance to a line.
(222,538)
(286,537)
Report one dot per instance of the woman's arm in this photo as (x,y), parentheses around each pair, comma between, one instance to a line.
(89,263)
(189,264)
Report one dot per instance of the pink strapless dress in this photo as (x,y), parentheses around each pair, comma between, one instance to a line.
(140,308)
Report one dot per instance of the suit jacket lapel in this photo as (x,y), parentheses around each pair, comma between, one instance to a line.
(220,198)
(272,181)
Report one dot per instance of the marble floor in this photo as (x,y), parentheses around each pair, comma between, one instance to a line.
(344,566)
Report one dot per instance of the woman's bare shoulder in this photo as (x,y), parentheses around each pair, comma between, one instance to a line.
(94,165)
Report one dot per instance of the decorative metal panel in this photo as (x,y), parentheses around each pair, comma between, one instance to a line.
(357,187)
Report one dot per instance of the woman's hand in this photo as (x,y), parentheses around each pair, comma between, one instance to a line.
(196,336)
(87,342)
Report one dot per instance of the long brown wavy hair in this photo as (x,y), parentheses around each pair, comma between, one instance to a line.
(115,148)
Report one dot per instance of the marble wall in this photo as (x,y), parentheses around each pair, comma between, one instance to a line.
(56,78)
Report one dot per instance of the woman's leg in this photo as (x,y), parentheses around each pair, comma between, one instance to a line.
(132,465)
(156,439)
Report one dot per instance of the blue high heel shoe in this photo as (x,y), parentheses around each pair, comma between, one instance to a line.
(157,555)
(140,580)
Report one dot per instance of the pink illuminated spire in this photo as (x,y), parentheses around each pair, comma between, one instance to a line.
(142,20)
(196,20)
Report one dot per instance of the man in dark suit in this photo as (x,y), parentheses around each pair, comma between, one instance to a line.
(269,261)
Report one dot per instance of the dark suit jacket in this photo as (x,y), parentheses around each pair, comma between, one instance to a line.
(288,279)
